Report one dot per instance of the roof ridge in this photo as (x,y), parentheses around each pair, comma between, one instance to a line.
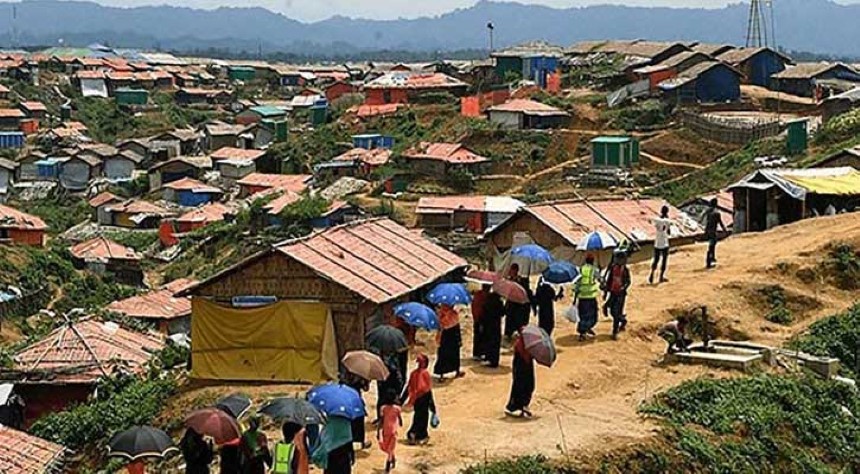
(297,240)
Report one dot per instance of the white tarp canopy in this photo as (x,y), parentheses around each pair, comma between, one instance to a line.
(94,88)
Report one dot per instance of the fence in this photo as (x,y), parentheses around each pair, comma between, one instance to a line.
(731,131)
(27,304)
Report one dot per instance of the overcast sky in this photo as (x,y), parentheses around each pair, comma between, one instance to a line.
(312,10)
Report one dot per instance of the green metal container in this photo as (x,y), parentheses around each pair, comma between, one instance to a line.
(797,137)
(319,114)
(126,96)
(614,152)
(506,66)
(241,73)
(279,128)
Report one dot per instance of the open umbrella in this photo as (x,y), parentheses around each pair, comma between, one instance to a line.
(141,442)
(539,345)
(561,272)
(386,339)
(511,291)
(337,400)
(482,276)
(531,258)
(366,365)
(215,423)
(596,241)
(235,405)
(294,410)
(450,294)
(418,315)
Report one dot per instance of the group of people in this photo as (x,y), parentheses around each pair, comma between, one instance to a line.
(250,454)
(713,222)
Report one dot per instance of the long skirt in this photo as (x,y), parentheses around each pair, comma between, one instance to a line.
(478,339)
(523,385)
(546,318)
(448,355)
(587,315)
(492,341)
(516,316)
(358,430)
(421,418)
(340,460)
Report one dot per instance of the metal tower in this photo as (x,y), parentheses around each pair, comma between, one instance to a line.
(757,27)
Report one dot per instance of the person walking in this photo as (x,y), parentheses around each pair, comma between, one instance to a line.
(517,314)
(230,460)
(523,381)
(388,391)
(291,454)
(662,229)
(419,395)
(450,340)
(335,453)
(479,301)
(494,311)
(386,433)
(196,452)
(544,301)
(360,385)
(585,298)
(713,222)
(254,448)
(617,284)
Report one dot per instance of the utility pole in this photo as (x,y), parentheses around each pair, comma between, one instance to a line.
(490,29)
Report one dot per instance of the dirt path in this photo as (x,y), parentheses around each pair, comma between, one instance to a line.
(663,162)
(588,402)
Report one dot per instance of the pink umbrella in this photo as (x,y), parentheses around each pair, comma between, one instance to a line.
(215,423)
(511,291)
(539,345)
(365,364)
(483,276)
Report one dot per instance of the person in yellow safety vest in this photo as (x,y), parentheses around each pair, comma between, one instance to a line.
(291,454)
(585,298)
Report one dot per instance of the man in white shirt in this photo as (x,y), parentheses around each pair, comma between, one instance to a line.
(662,229)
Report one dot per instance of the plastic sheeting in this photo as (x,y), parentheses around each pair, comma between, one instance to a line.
(282,342)
(843,181)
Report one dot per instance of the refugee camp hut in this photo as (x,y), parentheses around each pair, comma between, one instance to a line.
(325,291)
(197,96)
(357,163)
(137,214)
(840,103)
(121,166)
(188,192)
(259,182)
(560,225)
(614,152)
(102,256)
(189,140)
(177,168)
(77,171)
(203,216)
(474,214)
(712,49)
(20,228)
(34,110)
(697,208)
(816,80)
(27,454)
(707,82)
(756,64)
(846,157)
(64,367)
(138,146)
(8,170)
(684,60)
(523,114)
(768,198)
(170,313)
(533,61)
(338,89)
(259,113)
(440,159)
(217,135)
(404,87)
(10,119)
(27,168)
(263,162)
(99,205)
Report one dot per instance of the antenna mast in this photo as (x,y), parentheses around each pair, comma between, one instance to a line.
(757,34)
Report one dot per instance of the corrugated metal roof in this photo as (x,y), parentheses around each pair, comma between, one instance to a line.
(453,153)
(377,259)
(11,218)
(190,184)
(207,213)
(84,351)
(232,153)
(296,183)
(526,106)
(809,70)
(449,204)
(102,249)
(26,454)
(137,206)
(374,157)
(160,304)
(406,80)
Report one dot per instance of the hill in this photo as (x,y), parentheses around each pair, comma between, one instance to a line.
(822,26)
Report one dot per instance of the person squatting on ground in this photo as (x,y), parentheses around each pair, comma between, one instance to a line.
(674,333)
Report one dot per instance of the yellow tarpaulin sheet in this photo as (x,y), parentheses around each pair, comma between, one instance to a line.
(847,184)
(283,342)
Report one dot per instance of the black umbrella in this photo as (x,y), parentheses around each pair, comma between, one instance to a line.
(386,340)
(141,442)
(235,405)
(294,410)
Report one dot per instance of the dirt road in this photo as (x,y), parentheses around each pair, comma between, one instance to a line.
(587,403)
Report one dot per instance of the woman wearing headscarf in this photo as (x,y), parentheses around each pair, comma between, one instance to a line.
(517,314)
(334,453)
(544,301)
(254,448)
(196,452)
(387,433)
(360,384)
(450,340)
(291,455)
(388,391)
(523,385)
(419,395)
(494,311)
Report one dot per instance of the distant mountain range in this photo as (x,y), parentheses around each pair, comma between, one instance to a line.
(819,26)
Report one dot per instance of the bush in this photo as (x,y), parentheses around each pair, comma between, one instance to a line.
(90,292)
(836,336)
(843,264)
(840,128)
(135,404)
(521,465)
(778,303)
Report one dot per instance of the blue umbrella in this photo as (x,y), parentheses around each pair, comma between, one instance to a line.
(561,272)
(532,259)
(418,315)
(450,294)
(339,400)
(596,241)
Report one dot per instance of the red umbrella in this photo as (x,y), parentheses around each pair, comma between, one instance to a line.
(483,276)
(215,423)
(511,291)
(539,345)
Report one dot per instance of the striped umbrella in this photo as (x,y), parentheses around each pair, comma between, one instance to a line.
(597,241)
